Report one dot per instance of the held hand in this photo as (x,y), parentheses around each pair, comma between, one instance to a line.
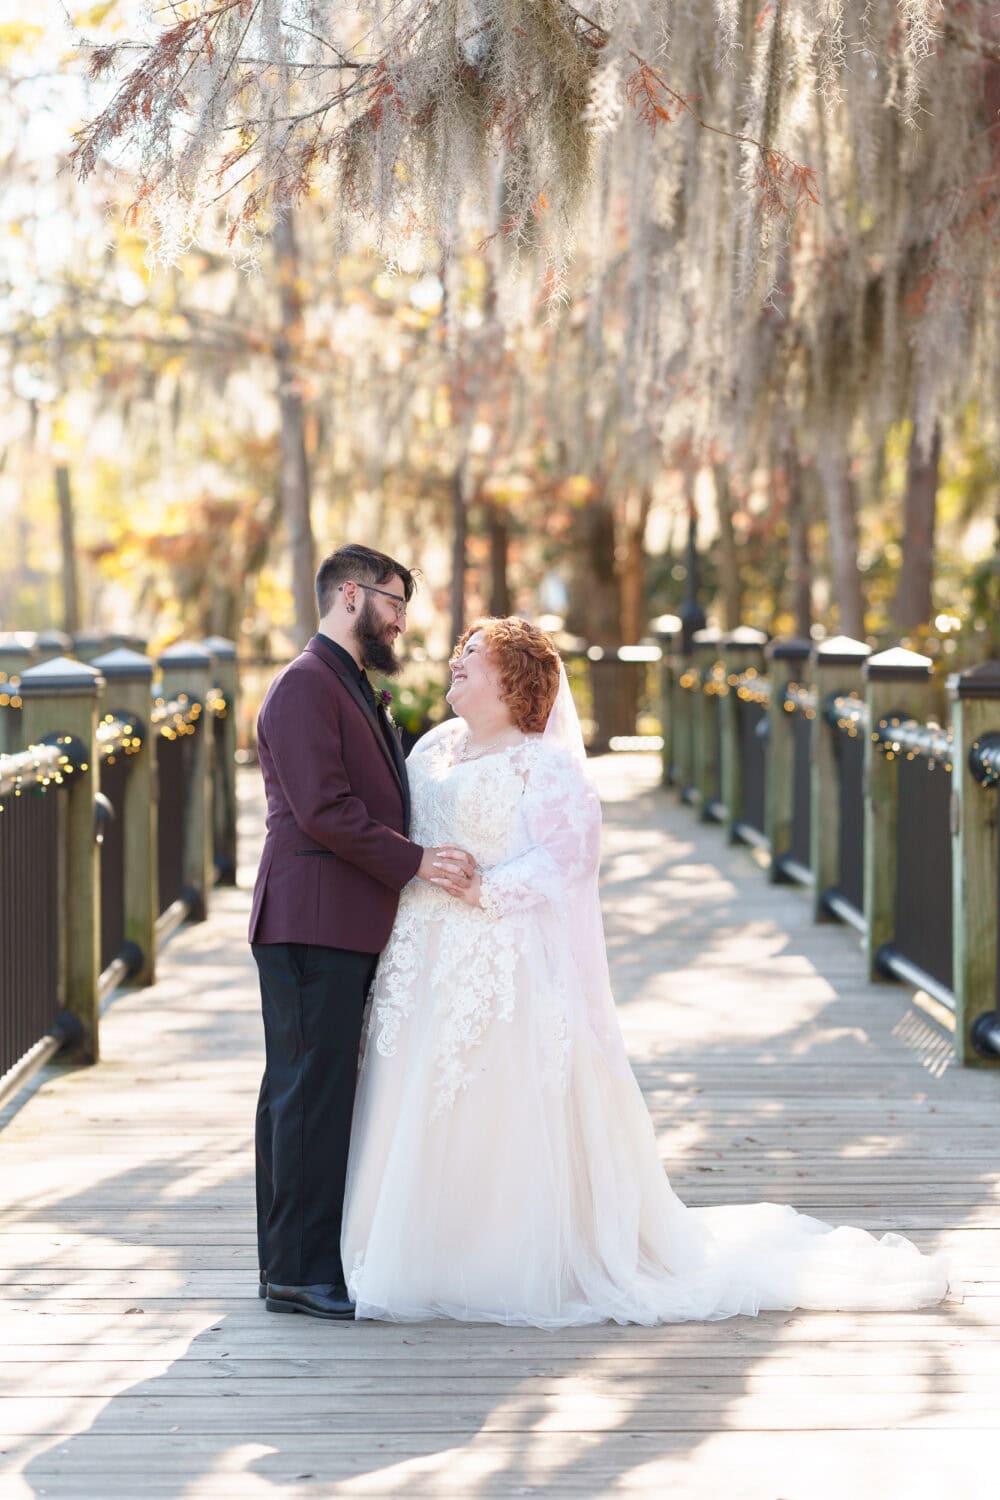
(468,891)
(446,864)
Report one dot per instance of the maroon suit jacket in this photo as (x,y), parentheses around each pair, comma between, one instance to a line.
(336,854)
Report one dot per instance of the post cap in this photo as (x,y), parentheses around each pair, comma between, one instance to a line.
(220,646)
(54,640)
(666,625)
(789,648)
(186,654)
(842,651)
(897,665)
(711,635)
(61,677)
(982,681)
(744,638)
(11,649)
(123,665)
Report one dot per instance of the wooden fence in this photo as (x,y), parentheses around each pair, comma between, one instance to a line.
(117,817)
(863,779)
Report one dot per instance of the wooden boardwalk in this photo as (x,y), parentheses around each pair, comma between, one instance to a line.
(138,1361)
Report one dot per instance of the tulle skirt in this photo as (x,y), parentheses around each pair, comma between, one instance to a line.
(522,1184)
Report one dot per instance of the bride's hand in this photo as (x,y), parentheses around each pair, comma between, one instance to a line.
(462,890)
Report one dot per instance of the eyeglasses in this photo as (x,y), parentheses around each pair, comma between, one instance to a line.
(398,604)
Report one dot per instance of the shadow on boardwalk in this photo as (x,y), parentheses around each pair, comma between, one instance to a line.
(139,1360)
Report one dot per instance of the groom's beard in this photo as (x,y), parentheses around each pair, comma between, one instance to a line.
(375,640)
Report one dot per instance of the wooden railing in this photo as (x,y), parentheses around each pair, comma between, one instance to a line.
(834,763)
(116,821)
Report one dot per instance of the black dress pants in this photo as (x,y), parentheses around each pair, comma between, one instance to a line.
(312,1000)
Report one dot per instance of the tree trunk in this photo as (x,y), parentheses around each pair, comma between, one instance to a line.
(633,572)
(294,471)
(67,547)
(730,585)
(595,588)
(498,533)
(459,534)
(842,516)
(913,604)
(799,570)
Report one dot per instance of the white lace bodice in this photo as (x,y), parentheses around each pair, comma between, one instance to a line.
(532,824)
(472,803)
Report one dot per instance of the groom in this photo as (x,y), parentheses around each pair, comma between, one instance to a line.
(335,858)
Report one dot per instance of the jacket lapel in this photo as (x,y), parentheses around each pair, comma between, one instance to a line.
(392,734)
(354,688)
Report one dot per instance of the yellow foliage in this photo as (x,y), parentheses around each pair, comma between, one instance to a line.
(576,489)
(18,36)
(94,15)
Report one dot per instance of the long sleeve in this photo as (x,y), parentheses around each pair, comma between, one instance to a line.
(560,822)
(303,739)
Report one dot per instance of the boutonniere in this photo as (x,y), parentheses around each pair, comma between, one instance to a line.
(385,701)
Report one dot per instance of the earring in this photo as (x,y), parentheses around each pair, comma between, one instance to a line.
(350,609)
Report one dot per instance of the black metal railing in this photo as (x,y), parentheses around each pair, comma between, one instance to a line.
(146,799)
(753,697)
(29,902)
(800,703)
(118,739)
(218,709)
(174,724)
(714,687)
(848,715)
(922,949)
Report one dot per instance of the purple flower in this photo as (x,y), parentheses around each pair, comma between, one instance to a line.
(384,697)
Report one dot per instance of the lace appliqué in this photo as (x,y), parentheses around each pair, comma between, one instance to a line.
(467,958)
(475,979)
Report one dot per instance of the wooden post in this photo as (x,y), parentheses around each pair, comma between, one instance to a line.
(129,678)
(788,659)
(52,643)
(975,710)
(62,697)
(742,649)
(898,683)
(667,630)
(705,766)
(187,671)
(87,644)
(837,666)
(224,730)
(15,658)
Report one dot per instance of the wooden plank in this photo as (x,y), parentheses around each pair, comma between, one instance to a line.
(139,1358)
(252,1416)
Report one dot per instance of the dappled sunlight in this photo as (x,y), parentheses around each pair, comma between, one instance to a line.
(933,1044)
(772,1071)
(872,1146)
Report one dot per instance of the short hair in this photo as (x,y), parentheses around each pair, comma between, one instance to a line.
(528,666)
(363,565)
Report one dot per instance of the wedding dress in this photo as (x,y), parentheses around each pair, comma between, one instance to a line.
(503,1165)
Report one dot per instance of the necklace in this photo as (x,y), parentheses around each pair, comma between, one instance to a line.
(467,751)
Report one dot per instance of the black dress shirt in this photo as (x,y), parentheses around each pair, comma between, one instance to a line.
(362,679)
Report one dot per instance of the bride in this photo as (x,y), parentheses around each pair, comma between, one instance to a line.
(503,1165)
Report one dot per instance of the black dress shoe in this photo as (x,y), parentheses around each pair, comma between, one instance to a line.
(322,1301)
(262,1285)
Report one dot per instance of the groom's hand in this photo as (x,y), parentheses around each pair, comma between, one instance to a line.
(447,865)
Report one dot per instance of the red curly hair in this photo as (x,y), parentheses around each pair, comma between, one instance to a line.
(527,664)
